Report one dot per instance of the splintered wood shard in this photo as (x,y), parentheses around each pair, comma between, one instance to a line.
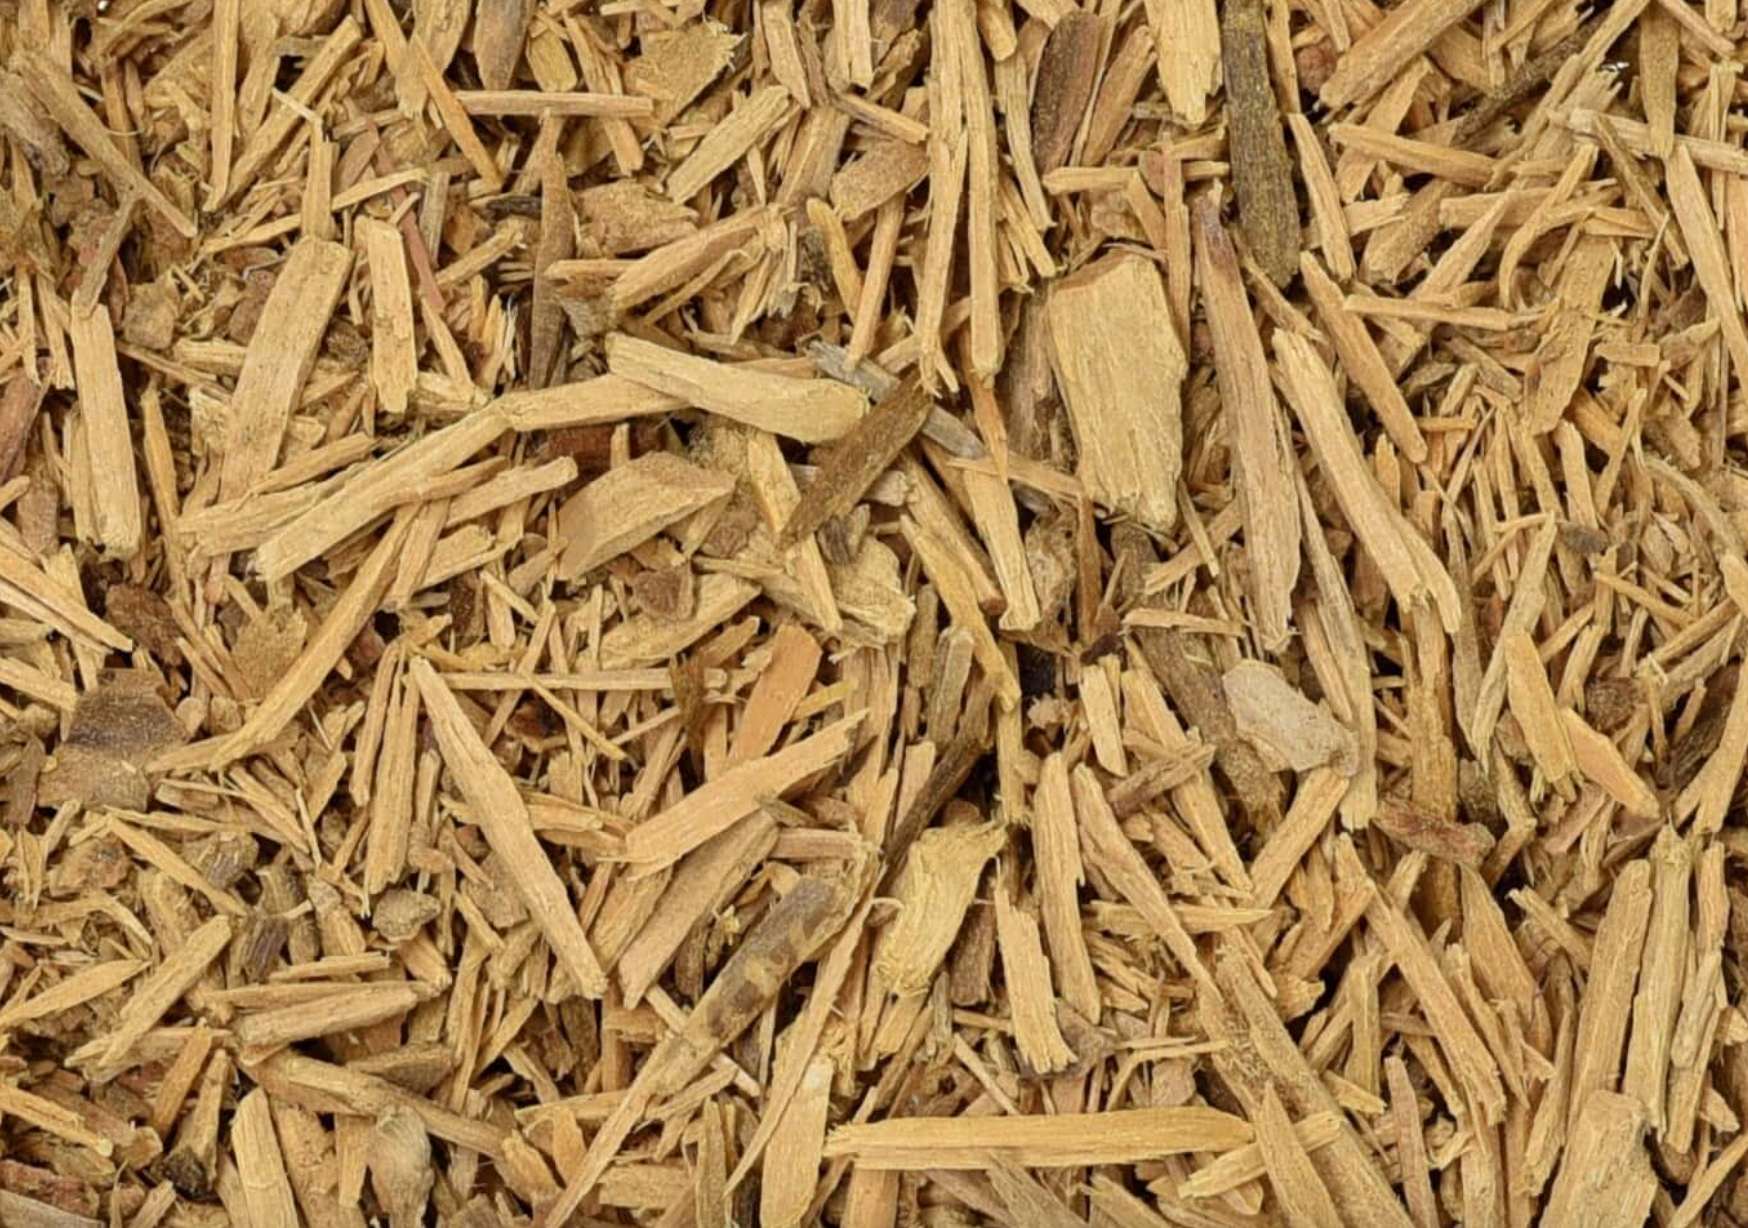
(175,976)
(394,357)
(1266,490)
(940,877)
(1408,564)
(1121,371)
(279,360)
(107,438)
(501,814)
(811,410)
(735,794)
(631,504)
(1404,32)
(1063,1140)
(1606,1178)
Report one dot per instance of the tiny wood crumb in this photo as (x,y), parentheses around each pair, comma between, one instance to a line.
(865,613)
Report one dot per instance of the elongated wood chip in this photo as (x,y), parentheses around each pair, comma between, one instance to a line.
(502,816)
(1063,1140)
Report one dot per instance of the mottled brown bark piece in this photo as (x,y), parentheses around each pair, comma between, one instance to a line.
(116,729)
(1262,174)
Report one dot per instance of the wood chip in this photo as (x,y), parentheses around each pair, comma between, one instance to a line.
(1131,447)
(1063,1140)
(809,410)
(499,810)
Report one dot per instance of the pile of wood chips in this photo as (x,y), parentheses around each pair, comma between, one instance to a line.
(718,612)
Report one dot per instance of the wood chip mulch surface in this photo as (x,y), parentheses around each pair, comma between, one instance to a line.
(706,613)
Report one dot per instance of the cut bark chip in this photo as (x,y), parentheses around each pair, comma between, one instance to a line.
(841,613)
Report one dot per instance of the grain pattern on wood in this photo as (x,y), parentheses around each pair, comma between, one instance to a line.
(1121,370)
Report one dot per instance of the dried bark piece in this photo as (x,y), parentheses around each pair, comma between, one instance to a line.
(1466,844)
(268,646)
(1198,694)
(1533,703)
(1068,70)
(557,242)
(35,131)
(19,403)
(139,612)
(1659,58)
(624,216)
(1304,823)
(703,881)
(646,639)
(360,1008)
(1262,174)
(676,66)
(1120,367)
(324,1087)
(882,171)
(116,730)
(853,464)
(500,29)
(784,939)
(1394,246)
